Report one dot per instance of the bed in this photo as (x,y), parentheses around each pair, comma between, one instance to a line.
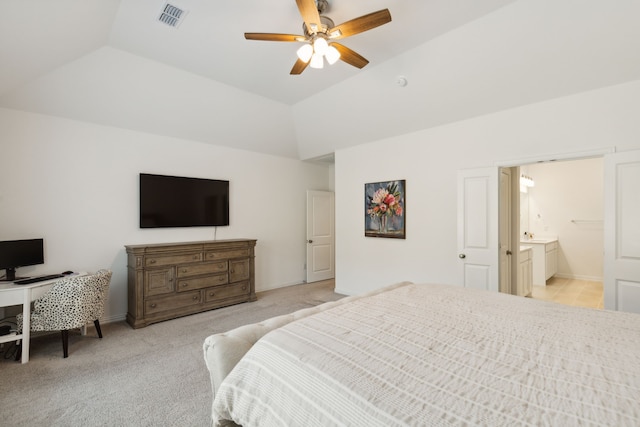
(417,354)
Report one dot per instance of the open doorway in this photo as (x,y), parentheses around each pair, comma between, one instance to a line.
(478,225)
(563,202)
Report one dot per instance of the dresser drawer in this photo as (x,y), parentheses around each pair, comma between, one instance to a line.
(226,291)
(202,282)
(155,261)
(234,253)
(171,302)
(203,268)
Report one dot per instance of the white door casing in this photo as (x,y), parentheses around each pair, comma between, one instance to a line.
(320,236)
(478,253)
(622,231)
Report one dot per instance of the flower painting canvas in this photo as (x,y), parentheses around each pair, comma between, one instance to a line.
(384,209)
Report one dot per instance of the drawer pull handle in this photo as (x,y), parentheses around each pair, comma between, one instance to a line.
(212,294)
(152,261)
(220,279)
(244,288)
(196,257)
(184,285)
(184,270)
(195,297)
(232,271)
(153,305)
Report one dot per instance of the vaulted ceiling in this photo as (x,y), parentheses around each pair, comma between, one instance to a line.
(112,63)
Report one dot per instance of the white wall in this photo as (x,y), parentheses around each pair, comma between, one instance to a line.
(567,203)
(76,185)
(429,161)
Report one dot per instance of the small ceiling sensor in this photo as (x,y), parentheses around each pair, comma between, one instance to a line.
(401,81)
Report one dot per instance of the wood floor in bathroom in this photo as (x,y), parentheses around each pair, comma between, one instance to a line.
(582,293)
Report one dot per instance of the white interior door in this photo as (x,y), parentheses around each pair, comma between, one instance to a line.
(622,231)
(320,236)
(478,253)
(504,236)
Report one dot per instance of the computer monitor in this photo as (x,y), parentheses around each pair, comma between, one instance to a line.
(20,253)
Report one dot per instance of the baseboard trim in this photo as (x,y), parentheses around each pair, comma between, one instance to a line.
(114,318)
(270,288)
(579,277)
(342,292)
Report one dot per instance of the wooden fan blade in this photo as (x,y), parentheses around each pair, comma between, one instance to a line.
(299,67)
(310,16)
(359,25)
(271,37)
(349,56)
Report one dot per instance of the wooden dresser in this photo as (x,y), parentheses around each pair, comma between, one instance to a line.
(177,279)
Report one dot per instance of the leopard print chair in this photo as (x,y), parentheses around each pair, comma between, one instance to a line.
(71,303)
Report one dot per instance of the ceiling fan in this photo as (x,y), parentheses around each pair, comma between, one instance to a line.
(320,34)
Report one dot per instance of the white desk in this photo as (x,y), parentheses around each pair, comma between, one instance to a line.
(11,294)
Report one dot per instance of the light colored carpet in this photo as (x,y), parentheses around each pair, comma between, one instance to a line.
(153,376)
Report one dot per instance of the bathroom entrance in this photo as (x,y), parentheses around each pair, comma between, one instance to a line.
(563,201)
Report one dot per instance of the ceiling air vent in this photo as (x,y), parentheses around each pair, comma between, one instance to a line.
(171,15)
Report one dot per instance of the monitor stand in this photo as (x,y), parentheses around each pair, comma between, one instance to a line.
(10,275)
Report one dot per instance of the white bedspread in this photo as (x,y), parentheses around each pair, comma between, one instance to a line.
(441,355)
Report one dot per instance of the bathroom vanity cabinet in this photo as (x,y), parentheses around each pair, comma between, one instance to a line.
(545,259)
(525,272)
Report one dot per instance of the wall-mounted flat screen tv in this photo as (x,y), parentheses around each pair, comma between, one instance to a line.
(174,201)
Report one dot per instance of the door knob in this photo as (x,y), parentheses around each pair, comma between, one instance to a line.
(310,241)
(462,256)
(509,252)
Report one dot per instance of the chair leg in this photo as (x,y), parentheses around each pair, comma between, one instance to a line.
(65,343)
(18,350)
(97,324)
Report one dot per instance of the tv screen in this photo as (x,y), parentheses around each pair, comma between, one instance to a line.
(174,201)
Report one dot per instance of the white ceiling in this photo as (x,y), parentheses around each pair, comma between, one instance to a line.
(62,57)
(211,42)
(41,35)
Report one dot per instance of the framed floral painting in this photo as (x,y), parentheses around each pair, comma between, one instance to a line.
(384,209)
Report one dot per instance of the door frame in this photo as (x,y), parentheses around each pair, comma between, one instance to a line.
(515,225)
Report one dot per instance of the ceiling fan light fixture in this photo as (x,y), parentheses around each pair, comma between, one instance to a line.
(332,55)
(317,61)
(320,46)
(305,52)
(318,30)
